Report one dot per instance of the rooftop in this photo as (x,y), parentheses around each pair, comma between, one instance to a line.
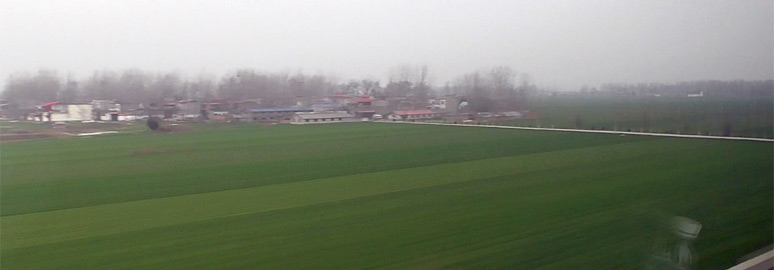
(281,110)
(322,115)
(414,112)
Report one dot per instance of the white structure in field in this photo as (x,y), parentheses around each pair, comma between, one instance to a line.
(71,112)
(320,118)
(699,94)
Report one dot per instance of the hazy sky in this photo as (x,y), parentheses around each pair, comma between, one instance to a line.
(562,44)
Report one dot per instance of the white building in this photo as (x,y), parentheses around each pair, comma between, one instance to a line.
(321,118)
(71,113)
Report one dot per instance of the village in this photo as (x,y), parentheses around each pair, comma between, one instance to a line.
(336,108)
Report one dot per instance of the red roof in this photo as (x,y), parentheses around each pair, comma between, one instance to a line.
(416,112)
(47,106)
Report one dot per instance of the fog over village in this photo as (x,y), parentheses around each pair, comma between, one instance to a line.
(562,45)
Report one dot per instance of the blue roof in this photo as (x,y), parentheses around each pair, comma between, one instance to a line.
(327,105)
(281,110)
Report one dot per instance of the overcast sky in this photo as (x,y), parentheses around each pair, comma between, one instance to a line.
(561,44)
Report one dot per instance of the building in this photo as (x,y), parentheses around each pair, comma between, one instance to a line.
(327,107)
(239,106)
(106,110)
(189,109)
(383,107)
(695,94)
(164,110)
(321,118)
(59,112)
(276,114)
(106,105)
(447,104)
(222,116)
(365,114)
(17,111)
(413,115)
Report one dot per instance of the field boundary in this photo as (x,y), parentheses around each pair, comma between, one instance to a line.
(760,262)
(592,131)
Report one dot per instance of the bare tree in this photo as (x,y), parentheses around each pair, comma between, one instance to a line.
(202,89)
(133,87)
(69,93)
(102,85)
(165,86)
(42,87)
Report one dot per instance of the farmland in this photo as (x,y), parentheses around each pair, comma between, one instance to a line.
(386,196)
(705,116)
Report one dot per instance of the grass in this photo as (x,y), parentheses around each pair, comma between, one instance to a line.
(375,196)
(10,127)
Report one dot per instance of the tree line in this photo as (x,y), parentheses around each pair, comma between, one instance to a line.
(710,88)
(488,88)
(498,88)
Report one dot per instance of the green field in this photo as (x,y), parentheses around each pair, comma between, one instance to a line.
(377,196)
(704,116)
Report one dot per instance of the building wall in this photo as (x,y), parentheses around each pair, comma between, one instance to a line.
(190,108)
(271,116)
(303,119)
(73,113)
(330,120)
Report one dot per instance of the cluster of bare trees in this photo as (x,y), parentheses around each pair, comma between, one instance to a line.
(128,86)
(497,88)
(43,86)
(136,86)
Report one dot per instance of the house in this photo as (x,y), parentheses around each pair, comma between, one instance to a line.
(109,109)
(447,104)
(59,112)
(189,109)
(130,112)
(276,114)
(362,101)
(222,116)
(326,107)
(239,106)
(365,114)
(413,115)
(106,105)
(163,110)
(340,99)
(16,111)
(383,107)
(321,118)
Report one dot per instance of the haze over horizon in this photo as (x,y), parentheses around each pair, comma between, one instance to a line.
(560,44)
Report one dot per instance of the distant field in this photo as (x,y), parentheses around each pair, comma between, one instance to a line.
(705,116)
(379,196)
